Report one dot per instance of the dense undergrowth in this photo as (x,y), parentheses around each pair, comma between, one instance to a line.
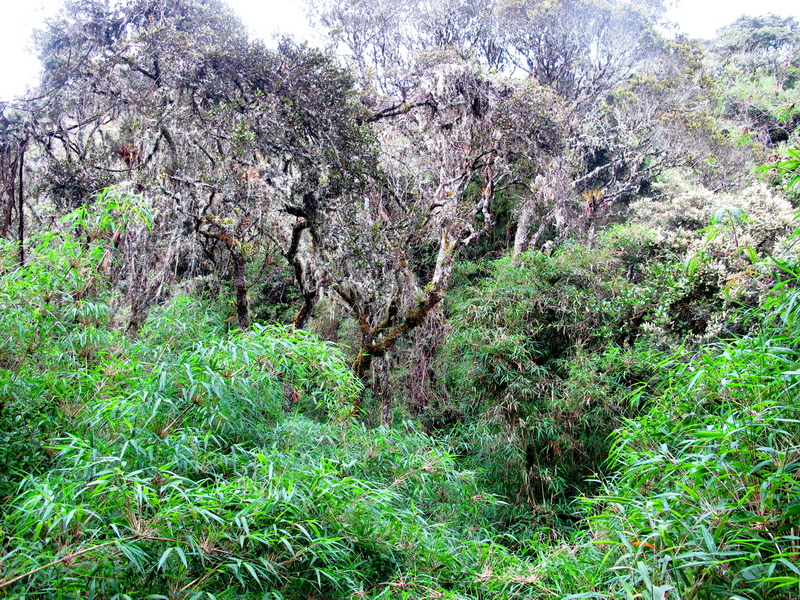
(530,243)
(190,461)
(704,503)
(194,459)
(704,500)
(543,350)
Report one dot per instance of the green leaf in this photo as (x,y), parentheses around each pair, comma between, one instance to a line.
(163,560)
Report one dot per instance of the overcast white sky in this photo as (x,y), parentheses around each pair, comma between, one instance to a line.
(18,67)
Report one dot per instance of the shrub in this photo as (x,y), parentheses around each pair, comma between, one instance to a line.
(199,463)
(541,352)
(704,500)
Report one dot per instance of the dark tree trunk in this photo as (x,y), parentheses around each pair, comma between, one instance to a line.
(12,198)
(309,289)
(383,389)
(302,316)
(20,214)
(240,287)
(363,362)
(233,243)
(377,341)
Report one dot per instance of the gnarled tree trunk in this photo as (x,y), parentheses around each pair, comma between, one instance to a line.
(240,286)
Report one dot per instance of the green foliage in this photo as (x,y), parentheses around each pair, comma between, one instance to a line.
(725,241)
(173,458)
(787,169)
(767,45)
(52,321)
(192,512)
(543,352)
(194,462)
(275,296)
(704,500)
(755,62)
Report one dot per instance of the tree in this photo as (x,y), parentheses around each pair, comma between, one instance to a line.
(580,48)
(441,165)
(380,39)
(755,60)
(234,144)
(767,45)
(13,144)
(583,51)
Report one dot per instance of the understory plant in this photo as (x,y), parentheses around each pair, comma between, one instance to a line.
(189,461)
(542,349)
(704,503)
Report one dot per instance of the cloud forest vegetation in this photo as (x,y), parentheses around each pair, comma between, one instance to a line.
(479,300)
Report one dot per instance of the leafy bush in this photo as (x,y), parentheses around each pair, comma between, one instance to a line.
(704,501)
(541,352)
(722,238)
(194,462)
(199,463)
(190,512)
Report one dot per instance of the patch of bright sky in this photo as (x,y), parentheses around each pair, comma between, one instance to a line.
(19,68)
(702,18)
(268,18)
